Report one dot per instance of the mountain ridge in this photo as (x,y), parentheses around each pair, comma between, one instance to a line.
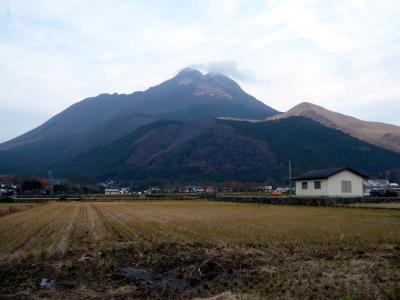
(381,134)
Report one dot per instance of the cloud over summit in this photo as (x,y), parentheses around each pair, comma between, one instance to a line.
(229,68)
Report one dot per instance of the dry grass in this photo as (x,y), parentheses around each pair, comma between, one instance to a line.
(10,208)
(78,224)
(260,250)
(377,205)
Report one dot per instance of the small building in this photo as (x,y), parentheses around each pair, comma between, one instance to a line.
(226,189)
(264,188)
(209,189)
(111,191)
(124,191)
(7,189)
(370,184)
(153,191)
(336,182)
(193,189)
(281,189)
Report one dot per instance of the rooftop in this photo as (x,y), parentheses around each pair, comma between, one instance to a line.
(325,173)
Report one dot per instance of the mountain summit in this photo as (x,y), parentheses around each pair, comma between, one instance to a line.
(191,93)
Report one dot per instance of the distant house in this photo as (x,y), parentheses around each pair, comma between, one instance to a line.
(209,189)
(370,184)
(337,182)
(111,191)
(124,191)
(226,190)
(193,189)
(380,187)
(265,188)
(153,191)
(7,189)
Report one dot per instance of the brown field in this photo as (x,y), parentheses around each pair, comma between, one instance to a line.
(9,208)
(377,205)
(187,249)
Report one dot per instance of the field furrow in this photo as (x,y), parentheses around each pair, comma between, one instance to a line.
(31,234)
(203,248)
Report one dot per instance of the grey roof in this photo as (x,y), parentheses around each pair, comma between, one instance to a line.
(325,173)
(376,183)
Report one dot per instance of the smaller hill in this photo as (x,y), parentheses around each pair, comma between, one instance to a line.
(376,133)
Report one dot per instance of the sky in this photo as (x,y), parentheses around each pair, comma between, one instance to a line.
(343,55)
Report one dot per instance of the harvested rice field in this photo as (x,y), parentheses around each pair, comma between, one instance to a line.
(199,249)
(9,208)
(377,205)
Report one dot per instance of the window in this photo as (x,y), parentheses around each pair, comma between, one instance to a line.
(317,185)
(304,185)
(346,186)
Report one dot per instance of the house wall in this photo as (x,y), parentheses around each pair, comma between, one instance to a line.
(332,186)
(335,185)
(111,192)
(311,191)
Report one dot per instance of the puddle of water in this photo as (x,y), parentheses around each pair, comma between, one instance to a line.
(46,283)
(138,274)
(172,280)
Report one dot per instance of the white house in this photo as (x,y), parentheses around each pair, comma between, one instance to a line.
(338,182)
(7,189)
(124,191)
(111,191)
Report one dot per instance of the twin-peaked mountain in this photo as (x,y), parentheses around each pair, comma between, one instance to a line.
(104,118)
(174,132)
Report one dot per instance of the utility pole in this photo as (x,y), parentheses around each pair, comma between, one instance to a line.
(50,179)
(290,178)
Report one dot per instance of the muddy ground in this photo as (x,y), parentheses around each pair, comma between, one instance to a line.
(170,271)
(199,250)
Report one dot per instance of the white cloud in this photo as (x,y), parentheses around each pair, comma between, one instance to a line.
(339,54)
(228,68)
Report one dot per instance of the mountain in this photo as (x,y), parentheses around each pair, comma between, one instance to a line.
(186,130)
(108,117)
(210,150)
(380,134)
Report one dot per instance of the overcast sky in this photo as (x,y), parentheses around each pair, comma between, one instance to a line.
(343,55)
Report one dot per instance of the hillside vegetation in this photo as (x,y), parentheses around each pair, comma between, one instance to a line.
(377,133)
(208,150)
